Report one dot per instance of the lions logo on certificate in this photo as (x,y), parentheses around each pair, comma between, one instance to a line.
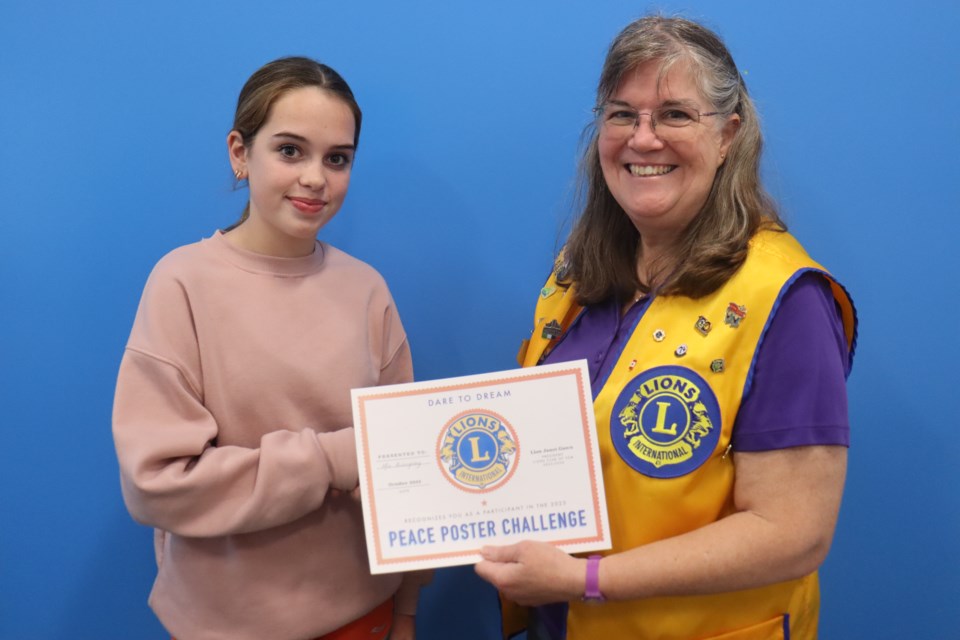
(477,451)
(666,422)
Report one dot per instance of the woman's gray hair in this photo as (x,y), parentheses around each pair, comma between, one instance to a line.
(603,246)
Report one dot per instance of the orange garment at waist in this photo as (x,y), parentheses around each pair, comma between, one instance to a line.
(373,626)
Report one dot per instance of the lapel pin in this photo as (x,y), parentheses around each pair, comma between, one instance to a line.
(735,314)
(552,330)
(703,326)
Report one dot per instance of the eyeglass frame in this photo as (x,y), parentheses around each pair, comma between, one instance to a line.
(598,112)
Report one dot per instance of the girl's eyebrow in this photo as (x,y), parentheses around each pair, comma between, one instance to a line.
(287,134)
(299,138)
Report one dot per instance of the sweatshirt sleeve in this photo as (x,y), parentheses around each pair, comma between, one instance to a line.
(173,474)
(397,359)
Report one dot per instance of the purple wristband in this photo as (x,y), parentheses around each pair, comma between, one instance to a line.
(591,592)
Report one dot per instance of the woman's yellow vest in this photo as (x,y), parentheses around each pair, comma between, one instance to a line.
(665,417)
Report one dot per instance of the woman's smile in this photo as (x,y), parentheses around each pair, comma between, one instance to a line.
(647,170)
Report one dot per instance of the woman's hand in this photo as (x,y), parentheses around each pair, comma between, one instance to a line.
(404,627)
(533,573)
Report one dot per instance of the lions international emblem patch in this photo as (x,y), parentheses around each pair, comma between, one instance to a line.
(477,451)
(666,422)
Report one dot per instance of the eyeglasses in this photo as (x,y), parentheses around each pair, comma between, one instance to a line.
(669,123)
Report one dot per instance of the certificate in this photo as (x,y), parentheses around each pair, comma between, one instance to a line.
(448,466)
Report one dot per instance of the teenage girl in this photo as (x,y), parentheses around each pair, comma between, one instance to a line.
(232,418)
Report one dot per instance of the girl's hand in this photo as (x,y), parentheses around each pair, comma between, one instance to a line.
(336,493)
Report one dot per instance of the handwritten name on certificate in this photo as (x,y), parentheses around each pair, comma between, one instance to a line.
(448,466)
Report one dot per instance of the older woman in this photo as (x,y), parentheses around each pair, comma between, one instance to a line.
(718,351)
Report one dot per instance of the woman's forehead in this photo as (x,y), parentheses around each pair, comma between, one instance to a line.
(665,79)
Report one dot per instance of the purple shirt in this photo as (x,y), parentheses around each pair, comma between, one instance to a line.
(797,392)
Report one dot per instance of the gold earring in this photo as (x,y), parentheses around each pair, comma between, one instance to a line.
(239,174)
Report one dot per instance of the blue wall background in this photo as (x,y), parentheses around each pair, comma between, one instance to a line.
(113,117)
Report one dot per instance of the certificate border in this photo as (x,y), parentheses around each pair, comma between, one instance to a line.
(362,399)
